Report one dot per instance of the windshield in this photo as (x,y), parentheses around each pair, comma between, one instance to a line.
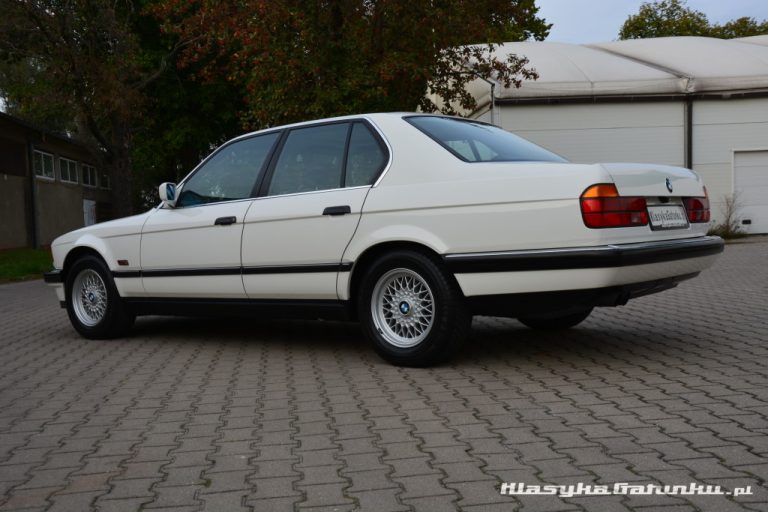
(473,141)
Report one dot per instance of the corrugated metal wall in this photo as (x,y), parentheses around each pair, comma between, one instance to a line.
(651,132)
(721,127)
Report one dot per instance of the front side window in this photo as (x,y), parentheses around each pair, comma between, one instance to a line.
(43,164)
(89,175)
(230,174)
(68,170)
(311,159)
(472,141)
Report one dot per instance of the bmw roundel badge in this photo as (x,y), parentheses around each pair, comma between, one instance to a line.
(669,185)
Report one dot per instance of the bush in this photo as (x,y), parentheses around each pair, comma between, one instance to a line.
(731,225)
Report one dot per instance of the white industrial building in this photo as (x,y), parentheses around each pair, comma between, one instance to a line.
(696,102)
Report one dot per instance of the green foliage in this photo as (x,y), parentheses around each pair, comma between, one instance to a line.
(182,118)
(152,86)
(741,27)
(103,72)
(665,18)
(295,60)
(18,264)
(73,67)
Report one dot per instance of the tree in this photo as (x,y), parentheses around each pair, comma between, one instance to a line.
(74,65)
(297,59)
(666,18)
(182,118)
(104,73)
(741,27)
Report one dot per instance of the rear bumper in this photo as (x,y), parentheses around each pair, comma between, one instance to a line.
(605,256)
(569,301)
(581,268)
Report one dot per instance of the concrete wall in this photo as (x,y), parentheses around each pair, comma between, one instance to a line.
(58,204)
(59,209)
(13,222)
(721,127)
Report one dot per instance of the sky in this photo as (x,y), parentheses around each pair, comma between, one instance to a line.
(594,21)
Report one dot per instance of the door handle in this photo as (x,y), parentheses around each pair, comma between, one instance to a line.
(225,221)
(337,210)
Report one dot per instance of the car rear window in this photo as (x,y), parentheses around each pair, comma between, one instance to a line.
(473,141)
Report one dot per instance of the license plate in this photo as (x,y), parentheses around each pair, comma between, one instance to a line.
(667,217)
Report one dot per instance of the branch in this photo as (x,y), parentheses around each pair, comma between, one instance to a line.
(164,63)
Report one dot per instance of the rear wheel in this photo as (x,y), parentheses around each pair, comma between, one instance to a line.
(555,322)
(412,310)
(93,303)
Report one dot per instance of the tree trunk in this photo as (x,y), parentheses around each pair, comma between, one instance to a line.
(122,194)
(118,165)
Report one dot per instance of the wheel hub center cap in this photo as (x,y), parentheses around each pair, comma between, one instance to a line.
(91,297)
(405,308)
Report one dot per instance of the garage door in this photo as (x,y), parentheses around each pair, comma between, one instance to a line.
(750,172)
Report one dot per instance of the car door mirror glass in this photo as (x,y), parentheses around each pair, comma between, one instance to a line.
(167,192)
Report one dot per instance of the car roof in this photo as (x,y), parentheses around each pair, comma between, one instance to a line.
(370,116)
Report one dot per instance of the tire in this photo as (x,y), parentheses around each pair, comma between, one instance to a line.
(555,322)
(93,304)
(412,311)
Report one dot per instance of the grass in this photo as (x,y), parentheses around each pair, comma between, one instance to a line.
(21,264)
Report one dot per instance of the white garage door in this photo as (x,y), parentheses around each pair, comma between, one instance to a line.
(750,173)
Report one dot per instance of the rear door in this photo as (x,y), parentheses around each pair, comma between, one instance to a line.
(308,209)
(193,250)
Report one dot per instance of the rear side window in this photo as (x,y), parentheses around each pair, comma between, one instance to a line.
(365,158)
(472,141)
(312,159)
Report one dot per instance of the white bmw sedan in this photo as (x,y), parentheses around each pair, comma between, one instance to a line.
(409,223)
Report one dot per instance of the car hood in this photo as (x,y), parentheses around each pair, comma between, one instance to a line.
(119,227)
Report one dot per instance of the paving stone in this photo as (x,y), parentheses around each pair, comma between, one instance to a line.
(286,415)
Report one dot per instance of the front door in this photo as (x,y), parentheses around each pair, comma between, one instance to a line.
(193,250)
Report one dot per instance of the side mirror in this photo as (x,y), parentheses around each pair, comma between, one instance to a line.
(167,192)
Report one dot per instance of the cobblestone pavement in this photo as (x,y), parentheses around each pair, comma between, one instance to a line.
(225,416)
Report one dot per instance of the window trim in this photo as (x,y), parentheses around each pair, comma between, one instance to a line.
(63,159)
(84,168)
(53,165)
(257,192)
(475,121)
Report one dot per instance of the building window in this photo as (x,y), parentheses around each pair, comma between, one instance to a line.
(89,175)
(43,164)
(104,181)
(68,170)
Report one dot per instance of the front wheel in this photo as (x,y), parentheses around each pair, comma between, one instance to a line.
(412,310)
(93,303)
(555,322)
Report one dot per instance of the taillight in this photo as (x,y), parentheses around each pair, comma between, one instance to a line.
(602,207)
(697,208)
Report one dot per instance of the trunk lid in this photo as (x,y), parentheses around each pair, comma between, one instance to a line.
(653,180)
